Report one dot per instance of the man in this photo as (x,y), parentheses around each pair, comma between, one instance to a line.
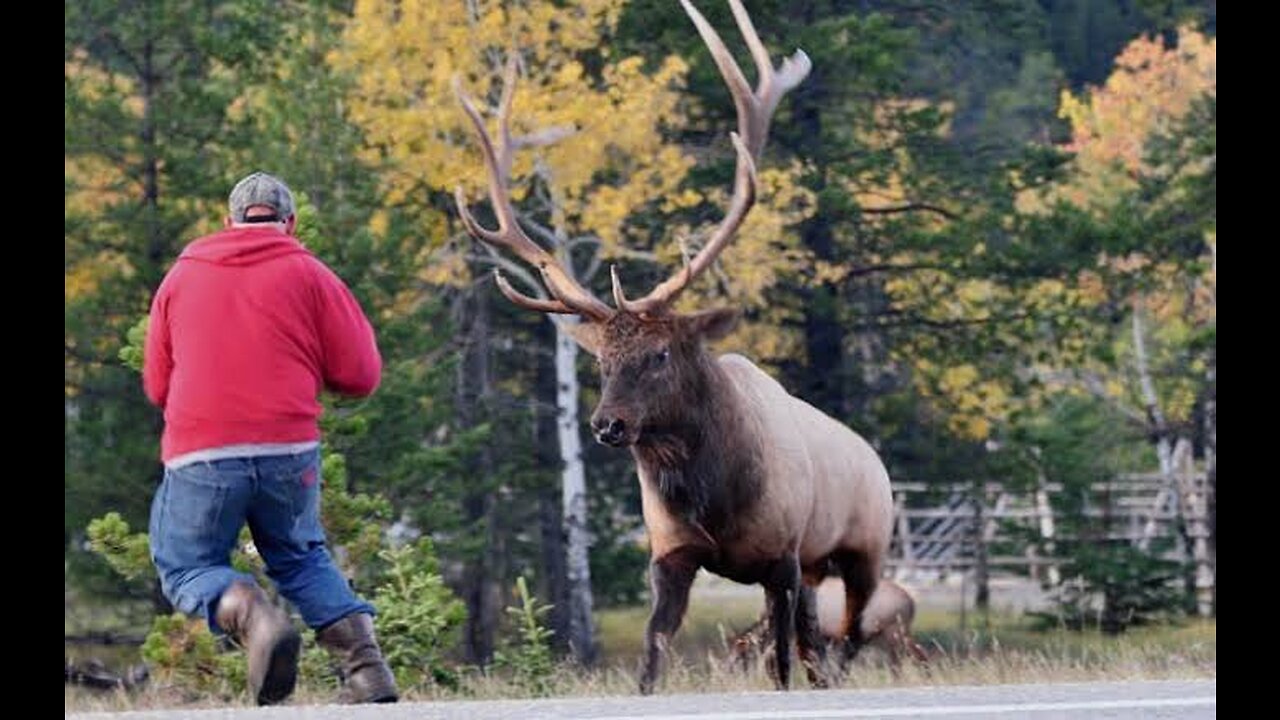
(246,329)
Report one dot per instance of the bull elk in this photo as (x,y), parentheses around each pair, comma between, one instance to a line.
(736,475)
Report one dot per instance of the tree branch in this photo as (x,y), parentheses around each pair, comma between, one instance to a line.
(515,269)
(911,207)
(1094,386)
(907,319)
(114,41)
(539,229)
(890,267)
(597,260)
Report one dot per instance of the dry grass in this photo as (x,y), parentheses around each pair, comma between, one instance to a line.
(1003,650)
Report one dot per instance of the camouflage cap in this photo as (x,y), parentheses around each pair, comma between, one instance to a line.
(260,190)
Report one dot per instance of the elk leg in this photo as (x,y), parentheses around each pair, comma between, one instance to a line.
(893,644)
(900,643)
(808,636)
(781,587)
(917,651)
(747,645)
(670,578)
(860,578)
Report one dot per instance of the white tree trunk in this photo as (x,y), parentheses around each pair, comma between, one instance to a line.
(1211,482)
(1044,512)
(1172,456)
(1211,442)
(574,496)
(1151,401)
(1194,528)
(1155,417)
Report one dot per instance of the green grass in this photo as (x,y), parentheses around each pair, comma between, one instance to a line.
(707,625)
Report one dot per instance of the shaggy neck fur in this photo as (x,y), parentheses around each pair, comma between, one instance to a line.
(701,455)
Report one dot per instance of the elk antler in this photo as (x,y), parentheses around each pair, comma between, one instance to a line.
(569,296)
(755,110)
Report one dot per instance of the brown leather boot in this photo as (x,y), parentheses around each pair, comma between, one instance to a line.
(269,638)
(365,675)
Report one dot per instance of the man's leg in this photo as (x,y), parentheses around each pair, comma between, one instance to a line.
(196,516)
(285,521)
(195,520)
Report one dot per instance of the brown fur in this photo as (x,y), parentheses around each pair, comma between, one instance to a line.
(885,623)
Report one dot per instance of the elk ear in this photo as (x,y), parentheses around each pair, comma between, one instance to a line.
(587,334)
(712,324)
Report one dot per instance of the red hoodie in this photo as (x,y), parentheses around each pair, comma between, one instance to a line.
(246,330)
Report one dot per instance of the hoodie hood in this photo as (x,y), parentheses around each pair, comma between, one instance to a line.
(243,246)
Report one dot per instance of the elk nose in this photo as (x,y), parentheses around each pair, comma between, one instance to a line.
(610,431)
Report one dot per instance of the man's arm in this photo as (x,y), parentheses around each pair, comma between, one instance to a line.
(352,365)
(157,357)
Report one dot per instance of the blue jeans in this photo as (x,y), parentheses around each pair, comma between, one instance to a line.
(196,518)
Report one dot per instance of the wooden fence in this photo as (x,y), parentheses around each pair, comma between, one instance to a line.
(944,529)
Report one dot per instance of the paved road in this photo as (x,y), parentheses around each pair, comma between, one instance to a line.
(1066,701)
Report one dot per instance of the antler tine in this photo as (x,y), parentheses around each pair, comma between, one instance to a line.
(755,109)
(773,84)
(744,196)
(497,188)
(505,146)
(564,288)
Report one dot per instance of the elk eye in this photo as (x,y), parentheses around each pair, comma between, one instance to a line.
(661,357)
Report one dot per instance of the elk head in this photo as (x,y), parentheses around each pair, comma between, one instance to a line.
(652,360)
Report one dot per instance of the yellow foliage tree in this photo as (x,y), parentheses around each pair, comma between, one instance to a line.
(596,143)
(406,54)
(1151,91)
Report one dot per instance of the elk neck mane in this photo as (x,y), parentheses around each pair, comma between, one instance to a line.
(705,458)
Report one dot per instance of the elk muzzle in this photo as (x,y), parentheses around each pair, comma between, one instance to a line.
(611,430)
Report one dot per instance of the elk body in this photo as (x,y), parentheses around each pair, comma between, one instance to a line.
(736,475)
(885,624)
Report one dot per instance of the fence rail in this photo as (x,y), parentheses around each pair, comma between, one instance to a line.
(945,529)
